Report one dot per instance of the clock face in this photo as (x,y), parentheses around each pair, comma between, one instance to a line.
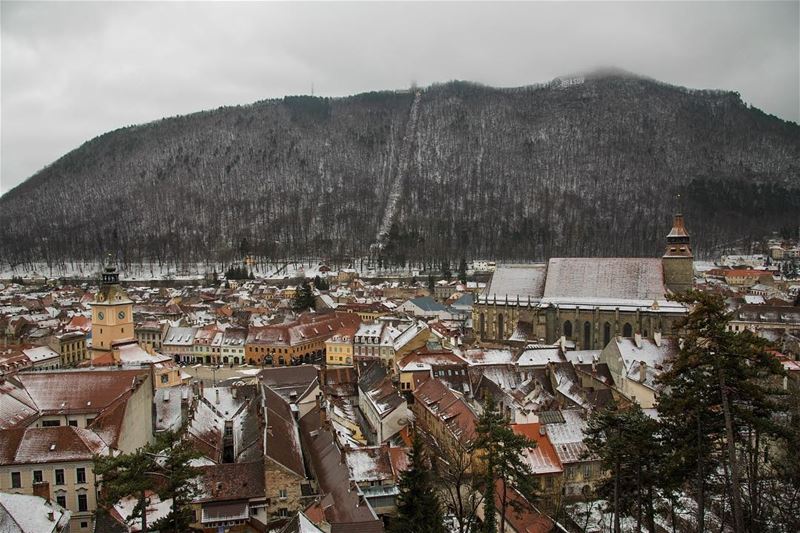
(121,315)
(101,315)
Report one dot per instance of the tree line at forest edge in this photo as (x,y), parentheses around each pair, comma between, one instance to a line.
(727,437)
(524,174)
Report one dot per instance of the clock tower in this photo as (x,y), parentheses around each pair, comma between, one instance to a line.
(112,313)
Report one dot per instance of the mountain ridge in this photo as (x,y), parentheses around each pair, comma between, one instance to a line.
(537,155)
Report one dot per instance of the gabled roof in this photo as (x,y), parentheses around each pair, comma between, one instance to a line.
(343,505)
(605,278)
(83,391)
(282,439)
(49,445)
(449,407)
(231,481)
(512,282)
(542,459)
(378,388)
(21,513)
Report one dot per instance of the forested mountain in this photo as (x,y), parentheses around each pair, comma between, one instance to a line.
(578,166)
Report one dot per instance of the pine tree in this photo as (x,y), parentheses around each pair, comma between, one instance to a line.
(418,506)
(162,467)
(446,273)
(502,452)
(629,447)
(127,475)
(176,473)
(462,271)
(720,394)
(304,297)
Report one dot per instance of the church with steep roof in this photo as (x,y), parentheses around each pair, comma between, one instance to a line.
(585,302)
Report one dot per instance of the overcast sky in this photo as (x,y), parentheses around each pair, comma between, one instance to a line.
(72,71)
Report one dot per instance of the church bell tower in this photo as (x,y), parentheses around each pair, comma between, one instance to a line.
(678,259)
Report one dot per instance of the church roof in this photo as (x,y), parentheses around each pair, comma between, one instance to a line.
(612,278)
(510,282)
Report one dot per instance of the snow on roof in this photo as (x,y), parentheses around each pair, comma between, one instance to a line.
(369,464)
(567,437)
(41,353)
(78,391)
(156,510)
(489,357)
(540,356)
(130,354)
(605,278)
(51,445)
(31,514)
(510,282)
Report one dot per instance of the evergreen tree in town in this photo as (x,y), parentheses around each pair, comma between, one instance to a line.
(462,270)
(628,445)
(418,506)
(176,481)
(502,453)
(446,272)
(163,468)
(304,297)
(127,475)
(720,408)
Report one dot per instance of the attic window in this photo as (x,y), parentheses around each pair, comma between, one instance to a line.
(52,447)
(89,403)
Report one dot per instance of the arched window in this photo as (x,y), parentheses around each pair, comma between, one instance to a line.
(500,330)
(587,336)
(606,334)
(568,329)
(483,326)
(627,330)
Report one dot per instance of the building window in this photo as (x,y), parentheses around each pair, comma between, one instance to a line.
(59,476)
(500,328)
(606,334)
(61,500)
(51,423)
(73,423)
(84,525)
(627,330)
(164,378)
(83,503)
(282,512)
(282,494)
(16,480)
(37,476)
(568,329)
(80,474)
(587,471)
(587,336)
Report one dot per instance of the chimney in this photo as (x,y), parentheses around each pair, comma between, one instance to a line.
(216,391)
(51,515)
(642,371)
(657,338)
(637,338)
(42,490)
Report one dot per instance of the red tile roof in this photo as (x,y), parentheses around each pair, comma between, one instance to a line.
(49,445)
